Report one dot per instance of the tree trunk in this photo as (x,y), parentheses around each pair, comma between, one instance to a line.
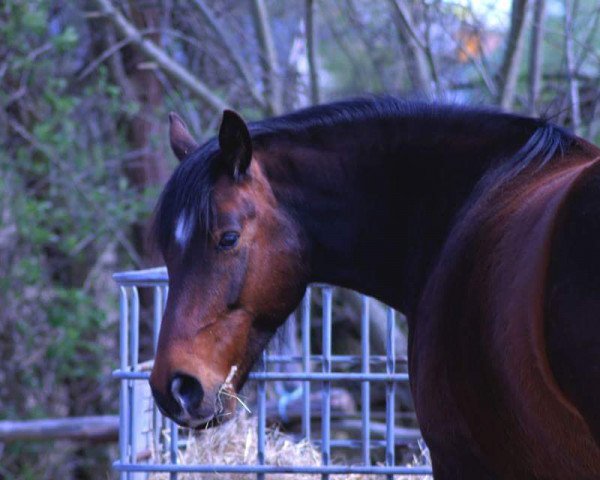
(139,83)
(570,56)
(311,43)
(419,66)
(232,49)
(268,57)
(151,169)
(536,55)
(510,68)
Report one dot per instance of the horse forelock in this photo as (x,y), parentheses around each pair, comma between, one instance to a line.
(186,203)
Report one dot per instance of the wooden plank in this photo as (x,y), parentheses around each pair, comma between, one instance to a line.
(98,429)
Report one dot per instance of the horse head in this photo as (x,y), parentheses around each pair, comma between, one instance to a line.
(236,264)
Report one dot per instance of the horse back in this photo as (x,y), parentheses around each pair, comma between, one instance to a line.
(504,353)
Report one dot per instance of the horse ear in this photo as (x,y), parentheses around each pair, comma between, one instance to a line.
(235,143)
(182,142)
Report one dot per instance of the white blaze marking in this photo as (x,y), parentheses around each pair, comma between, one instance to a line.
(182,230)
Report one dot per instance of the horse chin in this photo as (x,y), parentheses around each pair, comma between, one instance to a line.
(210,422)
(214,421)
(222,413)
(200,424)
(186,421)
(204,423)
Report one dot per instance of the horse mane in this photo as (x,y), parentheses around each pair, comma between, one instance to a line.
(186,201)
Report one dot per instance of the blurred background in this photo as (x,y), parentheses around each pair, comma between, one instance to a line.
(85,88)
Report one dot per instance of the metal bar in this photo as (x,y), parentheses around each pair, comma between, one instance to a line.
(326,403)
(346,359)
(165,296)
(390,390)
(142,278)
(174,448)
(134,329)
(157,276)
(297,376)
(262,419)
(365,387)
(124,392)
(174,430)
(266,469)
(157,317)
(306,363)
(354,443)
(134,351)
(163,425)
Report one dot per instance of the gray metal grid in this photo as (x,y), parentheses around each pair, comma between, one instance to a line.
(135,400)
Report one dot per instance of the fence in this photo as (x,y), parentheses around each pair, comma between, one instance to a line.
(302,379)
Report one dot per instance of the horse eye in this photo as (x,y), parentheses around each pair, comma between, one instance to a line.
(228,240)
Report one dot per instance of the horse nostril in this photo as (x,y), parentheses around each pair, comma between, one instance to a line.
(187,391)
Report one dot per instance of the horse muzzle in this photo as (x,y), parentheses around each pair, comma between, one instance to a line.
(187,403)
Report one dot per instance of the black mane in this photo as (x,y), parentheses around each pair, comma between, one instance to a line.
(188,192)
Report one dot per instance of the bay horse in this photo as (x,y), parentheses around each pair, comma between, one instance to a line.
(482,227)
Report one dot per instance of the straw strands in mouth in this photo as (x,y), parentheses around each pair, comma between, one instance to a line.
(227,390)
(235,443)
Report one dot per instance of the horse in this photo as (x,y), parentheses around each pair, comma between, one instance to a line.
(481,226)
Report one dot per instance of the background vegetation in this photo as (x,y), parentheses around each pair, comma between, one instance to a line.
(85,87)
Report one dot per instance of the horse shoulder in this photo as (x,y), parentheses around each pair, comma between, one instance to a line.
(480,334)
(557,433)
(572,299)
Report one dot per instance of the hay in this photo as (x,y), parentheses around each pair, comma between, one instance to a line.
(227,390)
(235,443)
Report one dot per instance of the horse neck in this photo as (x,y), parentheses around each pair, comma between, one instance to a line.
(375,210)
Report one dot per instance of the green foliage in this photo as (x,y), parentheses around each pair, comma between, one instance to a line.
(63,192)
(66,40)
(76,322)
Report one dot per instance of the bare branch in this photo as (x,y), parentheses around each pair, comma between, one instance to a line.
(229,44)
(509,70)
(587,47)
(570,57)
(268,56)
(376,61)
(420,64)
(114,47)
(594,127)
(348,50)
(310,51)
(170,66)
(117,69)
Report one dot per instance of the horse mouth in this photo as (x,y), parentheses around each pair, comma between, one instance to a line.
(225,405)
(192,423)
(227,398)
(185,420)
(225,401)
(221,416)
